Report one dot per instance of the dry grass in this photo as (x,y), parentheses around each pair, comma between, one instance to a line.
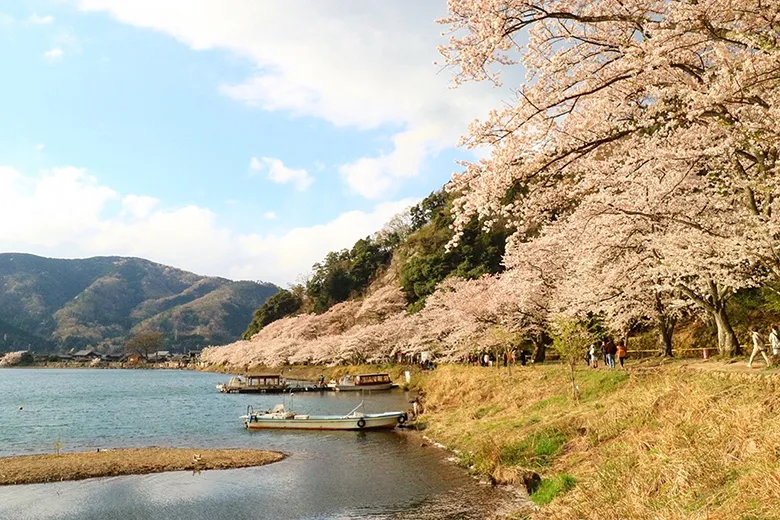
(662,442)
(31,469)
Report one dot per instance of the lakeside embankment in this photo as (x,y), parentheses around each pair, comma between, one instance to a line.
(36,469)
(655,441)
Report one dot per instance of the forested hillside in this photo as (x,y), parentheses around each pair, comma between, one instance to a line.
(49,304)
(414,242)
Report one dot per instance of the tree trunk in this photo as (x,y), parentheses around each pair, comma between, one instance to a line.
(728,344)
(665,332)
(665,325)
(575,392)
(715,305)
(540,352)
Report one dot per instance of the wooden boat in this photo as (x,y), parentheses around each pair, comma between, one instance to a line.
(257,383)
(281,419)
(362,383)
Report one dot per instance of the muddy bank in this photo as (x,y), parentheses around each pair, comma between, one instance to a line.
(36,469)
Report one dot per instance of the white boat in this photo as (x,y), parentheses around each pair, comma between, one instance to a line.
(254,383)
(362,383)
(282,419)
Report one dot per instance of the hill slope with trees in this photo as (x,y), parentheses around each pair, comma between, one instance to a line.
(53,304)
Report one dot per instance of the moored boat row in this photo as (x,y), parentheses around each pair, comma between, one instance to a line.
(274,383)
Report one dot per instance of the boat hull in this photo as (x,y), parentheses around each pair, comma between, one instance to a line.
(312,422)
(363,388)
(225,389)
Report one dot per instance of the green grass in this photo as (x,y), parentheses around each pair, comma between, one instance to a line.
(537,450)
(549,489)
(486,411)
(596,383)
(552,402)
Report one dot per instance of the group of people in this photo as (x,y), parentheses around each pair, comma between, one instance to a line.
(489,359)
(609,351)
(759,344)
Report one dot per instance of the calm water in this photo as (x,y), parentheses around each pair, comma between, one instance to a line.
(328,475)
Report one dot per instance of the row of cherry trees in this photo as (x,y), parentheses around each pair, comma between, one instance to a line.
(638,164)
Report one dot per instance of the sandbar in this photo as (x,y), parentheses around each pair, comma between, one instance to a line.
(36,469)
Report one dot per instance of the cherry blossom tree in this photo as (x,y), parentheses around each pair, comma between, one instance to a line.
(685,94)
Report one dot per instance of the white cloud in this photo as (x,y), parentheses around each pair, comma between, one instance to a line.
(361,65)
(281,174)
(139,206)
(270,215)
(255,165)
(57,205)
(40,20)
(372,177)
(54,54)
(39,147)
(65,212)
(295,251)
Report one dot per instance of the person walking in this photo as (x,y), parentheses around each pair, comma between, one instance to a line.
(622,352)
(774,340)
(594,356)
(610,350)
(758,346)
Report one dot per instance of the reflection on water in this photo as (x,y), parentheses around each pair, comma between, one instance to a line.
(328,475)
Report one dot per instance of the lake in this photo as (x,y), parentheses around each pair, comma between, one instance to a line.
(327,475)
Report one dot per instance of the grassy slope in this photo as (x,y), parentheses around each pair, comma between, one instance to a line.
(661,442)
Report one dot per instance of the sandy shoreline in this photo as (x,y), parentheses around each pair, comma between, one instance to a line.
(37,469)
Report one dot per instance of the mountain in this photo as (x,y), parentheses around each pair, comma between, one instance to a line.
(54,304)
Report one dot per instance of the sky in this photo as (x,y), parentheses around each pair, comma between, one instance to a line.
(234,138)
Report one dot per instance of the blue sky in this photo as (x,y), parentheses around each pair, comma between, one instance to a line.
(235,138)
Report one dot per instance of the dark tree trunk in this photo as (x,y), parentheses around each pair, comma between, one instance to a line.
(665,333)
(541,349)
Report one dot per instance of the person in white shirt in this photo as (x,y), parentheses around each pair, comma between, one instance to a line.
(758,346)
(774,340)
(594,356)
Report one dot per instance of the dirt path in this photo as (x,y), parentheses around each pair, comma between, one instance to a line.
(736,366)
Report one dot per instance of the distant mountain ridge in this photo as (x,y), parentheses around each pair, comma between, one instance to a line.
(59,304)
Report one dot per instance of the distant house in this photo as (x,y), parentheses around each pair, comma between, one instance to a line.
(86,355)
(64,357)
(177,361)
(111,358)
(160,356)
(132,358)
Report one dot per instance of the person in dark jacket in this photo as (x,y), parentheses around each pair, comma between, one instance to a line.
(610,349)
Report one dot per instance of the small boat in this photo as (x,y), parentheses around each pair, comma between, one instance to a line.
(257,383)
(282,419)
(362,383)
